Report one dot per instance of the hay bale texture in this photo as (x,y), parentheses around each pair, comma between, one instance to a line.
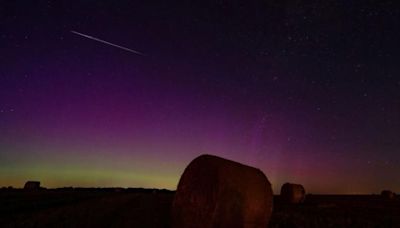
(293,193)
(215,192)
(32,185)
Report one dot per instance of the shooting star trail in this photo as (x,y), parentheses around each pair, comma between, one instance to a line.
(108,43)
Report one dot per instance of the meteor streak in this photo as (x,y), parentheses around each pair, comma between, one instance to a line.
(108,43)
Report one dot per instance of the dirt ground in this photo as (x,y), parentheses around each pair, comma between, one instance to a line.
(150,208)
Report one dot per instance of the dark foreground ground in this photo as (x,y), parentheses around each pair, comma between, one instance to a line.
(149,208)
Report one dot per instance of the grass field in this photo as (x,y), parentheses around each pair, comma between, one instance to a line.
(149,208)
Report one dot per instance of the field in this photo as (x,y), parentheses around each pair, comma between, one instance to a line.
(150,208)
(338,211)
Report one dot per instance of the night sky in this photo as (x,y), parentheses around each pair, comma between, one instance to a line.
(307,92)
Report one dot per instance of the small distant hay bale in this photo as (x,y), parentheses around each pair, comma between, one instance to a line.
(215,192)
(387,194)
(32,185)
(293,193)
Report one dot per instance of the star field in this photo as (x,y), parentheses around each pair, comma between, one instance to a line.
(307,92)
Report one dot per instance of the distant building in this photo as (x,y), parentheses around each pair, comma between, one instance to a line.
(32,185)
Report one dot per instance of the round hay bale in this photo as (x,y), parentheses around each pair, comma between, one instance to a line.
(32,185)
(215,192)
(387,194)
(293,193)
